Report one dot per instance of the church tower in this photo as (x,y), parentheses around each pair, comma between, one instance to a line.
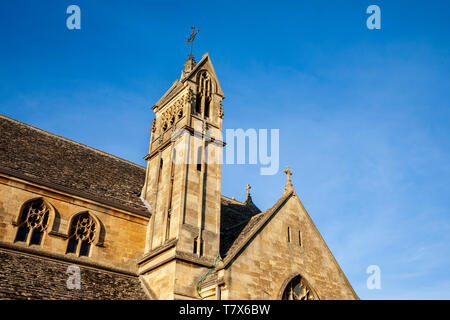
(183,183)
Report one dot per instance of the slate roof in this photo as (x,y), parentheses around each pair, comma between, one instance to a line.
(234,218)
(50,160)
(30,277)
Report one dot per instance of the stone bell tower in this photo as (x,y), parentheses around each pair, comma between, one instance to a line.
(183,183)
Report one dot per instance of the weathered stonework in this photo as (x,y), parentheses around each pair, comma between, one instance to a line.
(160,232)
(266,258)
(120,231)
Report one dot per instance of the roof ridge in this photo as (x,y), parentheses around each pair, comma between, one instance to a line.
(231,199)
(2,116)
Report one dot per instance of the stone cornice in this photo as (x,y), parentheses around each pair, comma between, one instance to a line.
(65,191)
(176,255)
(192,133)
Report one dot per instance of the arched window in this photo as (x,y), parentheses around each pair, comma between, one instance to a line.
(33,222)
(204,94)
(298,289)
(81,235)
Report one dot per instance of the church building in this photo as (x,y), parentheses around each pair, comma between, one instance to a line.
(164,231)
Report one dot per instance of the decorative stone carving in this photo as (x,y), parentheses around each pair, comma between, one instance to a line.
(175,112)
(153,129)
(190,96)
(221,113)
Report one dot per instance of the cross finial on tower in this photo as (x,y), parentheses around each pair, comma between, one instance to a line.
(191,40)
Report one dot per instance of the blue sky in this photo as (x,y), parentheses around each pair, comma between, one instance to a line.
(363,115)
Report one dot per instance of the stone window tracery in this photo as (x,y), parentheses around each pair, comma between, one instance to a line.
(33,222)
(298,289)
(204,95)
(81,235)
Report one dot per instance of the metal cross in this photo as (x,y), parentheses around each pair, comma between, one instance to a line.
(191,39)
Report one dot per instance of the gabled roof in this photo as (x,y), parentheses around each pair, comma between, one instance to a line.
(47,159)
(178,85)
(251,227)
(205,63)
(258,221)
(234,217)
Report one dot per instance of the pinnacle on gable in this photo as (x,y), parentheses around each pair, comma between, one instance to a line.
(289,185)
(189,65)
(248,197)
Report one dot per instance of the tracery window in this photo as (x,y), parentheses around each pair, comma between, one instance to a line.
(298,289)
(81,235)
(204,94)
(33,222)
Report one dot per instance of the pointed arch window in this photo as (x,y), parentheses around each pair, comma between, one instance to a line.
(298,289)
(33,222)
(81,235)
(204,95)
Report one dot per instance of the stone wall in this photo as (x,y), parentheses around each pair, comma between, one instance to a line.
(265,266)
(122,237)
